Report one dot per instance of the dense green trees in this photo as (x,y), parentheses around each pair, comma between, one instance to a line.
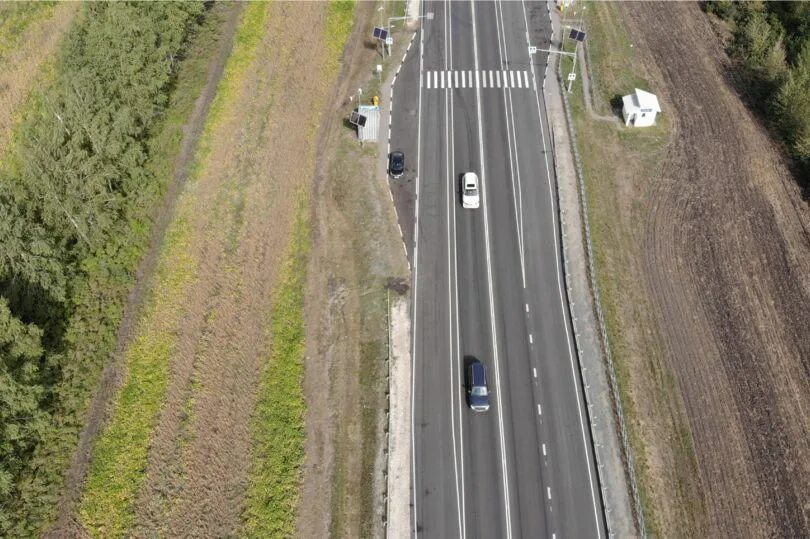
(772,46)
(75,199)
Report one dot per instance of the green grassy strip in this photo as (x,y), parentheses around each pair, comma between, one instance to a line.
(278,453)
(339,20)
(119,459)
(271,505)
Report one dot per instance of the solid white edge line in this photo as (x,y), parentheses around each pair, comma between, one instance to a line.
(504,469)
(562,299)
(414,485)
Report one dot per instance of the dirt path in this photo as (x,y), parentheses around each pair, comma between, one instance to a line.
(726,256)
(111,378)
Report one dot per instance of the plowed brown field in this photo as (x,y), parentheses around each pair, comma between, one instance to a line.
(726,258)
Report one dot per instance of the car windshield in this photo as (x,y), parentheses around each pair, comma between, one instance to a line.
(479,391)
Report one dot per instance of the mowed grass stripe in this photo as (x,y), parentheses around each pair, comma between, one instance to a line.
(278,424)
(271,505)
(120,456)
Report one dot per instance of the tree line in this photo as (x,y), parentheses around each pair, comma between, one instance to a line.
(771,46)
(76,196)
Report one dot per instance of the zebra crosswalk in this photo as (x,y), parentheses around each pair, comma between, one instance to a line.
(482,78)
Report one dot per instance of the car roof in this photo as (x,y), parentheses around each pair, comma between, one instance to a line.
(478,374)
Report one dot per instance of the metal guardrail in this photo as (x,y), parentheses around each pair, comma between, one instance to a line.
(614,389)
(387,423)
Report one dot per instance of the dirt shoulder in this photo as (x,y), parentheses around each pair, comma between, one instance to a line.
(704,239)
(356,249)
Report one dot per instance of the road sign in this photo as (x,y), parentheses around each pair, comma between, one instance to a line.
(389,41)
(532,50)
(572,77)
(380,33)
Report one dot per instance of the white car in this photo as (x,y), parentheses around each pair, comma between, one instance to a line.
(470,194)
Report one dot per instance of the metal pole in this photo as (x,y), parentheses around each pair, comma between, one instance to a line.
(382,41)
(574,67)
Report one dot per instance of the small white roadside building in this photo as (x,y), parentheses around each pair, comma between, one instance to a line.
(640,108)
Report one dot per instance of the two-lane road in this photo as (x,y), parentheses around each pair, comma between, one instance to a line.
(488,285)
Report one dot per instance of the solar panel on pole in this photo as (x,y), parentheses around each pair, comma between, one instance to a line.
(576,35)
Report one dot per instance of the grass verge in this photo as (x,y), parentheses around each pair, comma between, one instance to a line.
(619,165)
(278,425)
(119,458)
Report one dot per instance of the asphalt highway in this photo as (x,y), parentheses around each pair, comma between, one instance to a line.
(488,285)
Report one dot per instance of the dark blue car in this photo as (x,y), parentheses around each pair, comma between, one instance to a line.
(477,390)
(396,164)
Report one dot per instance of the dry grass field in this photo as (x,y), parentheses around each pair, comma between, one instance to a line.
(703,245)
(29,37)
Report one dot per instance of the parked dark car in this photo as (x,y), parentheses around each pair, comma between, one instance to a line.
(477,390)
(396,164)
